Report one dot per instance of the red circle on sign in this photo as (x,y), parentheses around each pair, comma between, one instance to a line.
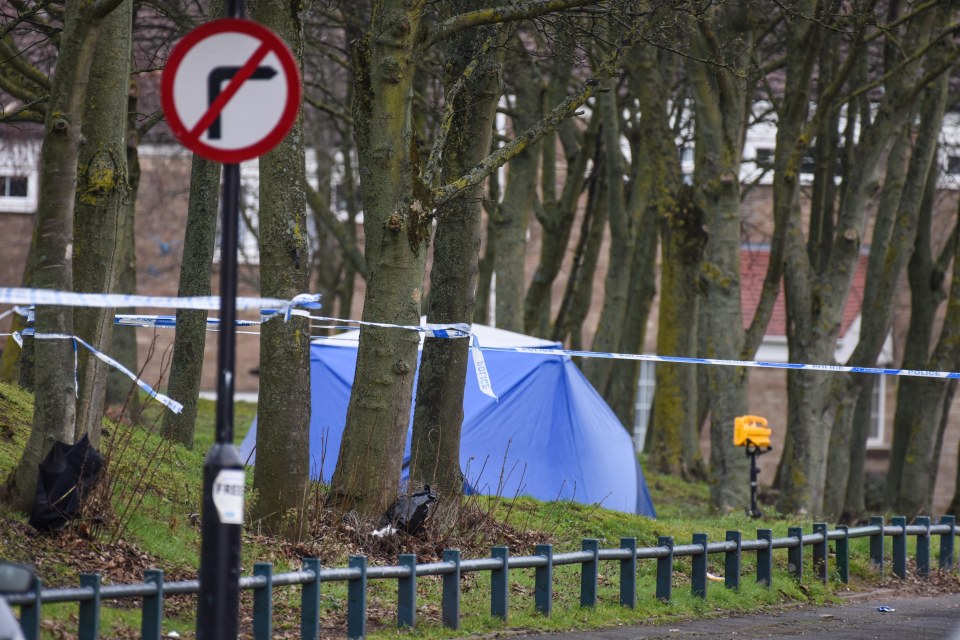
(189,136)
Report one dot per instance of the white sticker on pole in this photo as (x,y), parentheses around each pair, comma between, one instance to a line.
(231,90)
(228,495)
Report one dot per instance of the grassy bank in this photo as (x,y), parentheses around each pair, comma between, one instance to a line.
(147,510)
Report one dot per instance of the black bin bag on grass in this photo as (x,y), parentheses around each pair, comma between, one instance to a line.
(410,512)
(66,476)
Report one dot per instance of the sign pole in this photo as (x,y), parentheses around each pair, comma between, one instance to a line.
(218,606)
(218,603)
(230,92)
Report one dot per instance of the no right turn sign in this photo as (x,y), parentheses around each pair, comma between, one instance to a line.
(231,90)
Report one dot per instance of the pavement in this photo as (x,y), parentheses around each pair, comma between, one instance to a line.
(912,618)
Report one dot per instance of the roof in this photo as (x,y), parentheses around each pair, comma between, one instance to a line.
(753,268)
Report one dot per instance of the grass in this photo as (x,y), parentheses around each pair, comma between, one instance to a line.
(154,489)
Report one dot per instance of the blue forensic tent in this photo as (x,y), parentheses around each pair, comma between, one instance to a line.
(548,435)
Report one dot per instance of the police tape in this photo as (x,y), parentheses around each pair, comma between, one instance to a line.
(834,368)
(454,331)
(27,296)
(166,401)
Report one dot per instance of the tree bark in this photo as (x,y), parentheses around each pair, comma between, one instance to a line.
(196,270)
(123,346)
(817,282)
(282,472)
(396,225)
(55,403)
(101,202)
(622,218)
(510,228)
(438,415)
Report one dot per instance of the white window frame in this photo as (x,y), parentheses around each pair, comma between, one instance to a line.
(646,386)
(19,161)
(877,426)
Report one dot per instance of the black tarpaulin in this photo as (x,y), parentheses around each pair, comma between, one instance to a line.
(66,476)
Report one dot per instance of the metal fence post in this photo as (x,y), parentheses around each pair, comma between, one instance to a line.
(151,619)
(407,592)
(795,554)
(946,543)
(588,573)
(765,557)
(543,581)
(665,569)
(628,574)
(698,567)
(88,626)
(731,562)
(310,602)
(820,552)
(450,607)
(843,555)
(900,547)
(263,602)
(357,599)
(923,547)
(500,584)
(876,544)
(30,614)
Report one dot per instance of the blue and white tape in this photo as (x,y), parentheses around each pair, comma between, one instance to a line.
(271,308)
(166,401)
(836,368)
(20,311)
(21,295)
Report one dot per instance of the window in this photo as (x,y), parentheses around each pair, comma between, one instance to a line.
(645,388)
(764,158)
(953,165)
(875,435)
(13,186)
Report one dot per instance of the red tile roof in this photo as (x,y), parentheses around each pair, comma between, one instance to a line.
(753,269)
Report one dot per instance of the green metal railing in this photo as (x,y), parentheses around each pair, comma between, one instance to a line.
(152,591)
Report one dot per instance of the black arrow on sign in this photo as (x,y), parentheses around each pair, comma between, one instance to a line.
(215,80)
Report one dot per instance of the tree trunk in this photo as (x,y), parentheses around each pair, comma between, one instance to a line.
(818,279)
(101,202)
(920,401)
(396,226)
(281,475)
(674,446)
(13,356)
(438,415)
(909,186)
(55,404)
(510,230)
(558,213)
(621,216)
(196,270)
(123,346)
(578,294)
(720,106)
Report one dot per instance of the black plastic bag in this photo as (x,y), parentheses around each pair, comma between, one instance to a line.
(66,476)
(410,512)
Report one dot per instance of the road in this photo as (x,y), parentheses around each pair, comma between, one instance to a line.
(916,618)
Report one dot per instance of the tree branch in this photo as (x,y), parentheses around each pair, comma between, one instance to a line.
(332,110)
(433,162)
(607,68)
(100,8)
(494,15)
(329,220)
(19,63)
